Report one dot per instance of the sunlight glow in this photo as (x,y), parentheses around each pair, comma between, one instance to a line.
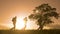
(47,27)
(20,23)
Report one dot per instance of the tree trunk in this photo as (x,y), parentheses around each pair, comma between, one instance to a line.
(40,28)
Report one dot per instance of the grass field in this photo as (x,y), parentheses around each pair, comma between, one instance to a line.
(30,31)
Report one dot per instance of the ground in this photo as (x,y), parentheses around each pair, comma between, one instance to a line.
(30,31)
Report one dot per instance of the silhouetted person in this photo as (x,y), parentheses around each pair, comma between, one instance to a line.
(14,22)
(25,21)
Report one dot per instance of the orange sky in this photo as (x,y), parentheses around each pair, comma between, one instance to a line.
(22,8)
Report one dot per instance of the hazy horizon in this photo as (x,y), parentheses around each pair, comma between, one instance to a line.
(23,8)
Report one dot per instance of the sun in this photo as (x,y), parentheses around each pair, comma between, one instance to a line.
(20,23)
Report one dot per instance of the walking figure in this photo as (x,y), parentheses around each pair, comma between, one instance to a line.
(14,23)
(25,21)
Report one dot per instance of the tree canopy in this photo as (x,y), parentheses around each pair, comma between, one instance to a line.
(42,14)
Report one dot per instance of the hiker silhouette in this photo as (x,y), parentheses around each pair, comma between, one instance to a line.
(14,23)
(25,21)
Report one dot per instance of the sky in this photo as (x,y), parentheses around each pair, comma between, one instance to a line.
(23,8)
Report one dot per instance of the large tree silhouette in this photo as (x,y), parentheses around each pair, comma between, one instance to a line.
(43,14)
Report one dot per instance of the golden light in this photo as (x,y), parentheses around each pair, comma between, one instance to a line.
(20,23)
(46,27)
